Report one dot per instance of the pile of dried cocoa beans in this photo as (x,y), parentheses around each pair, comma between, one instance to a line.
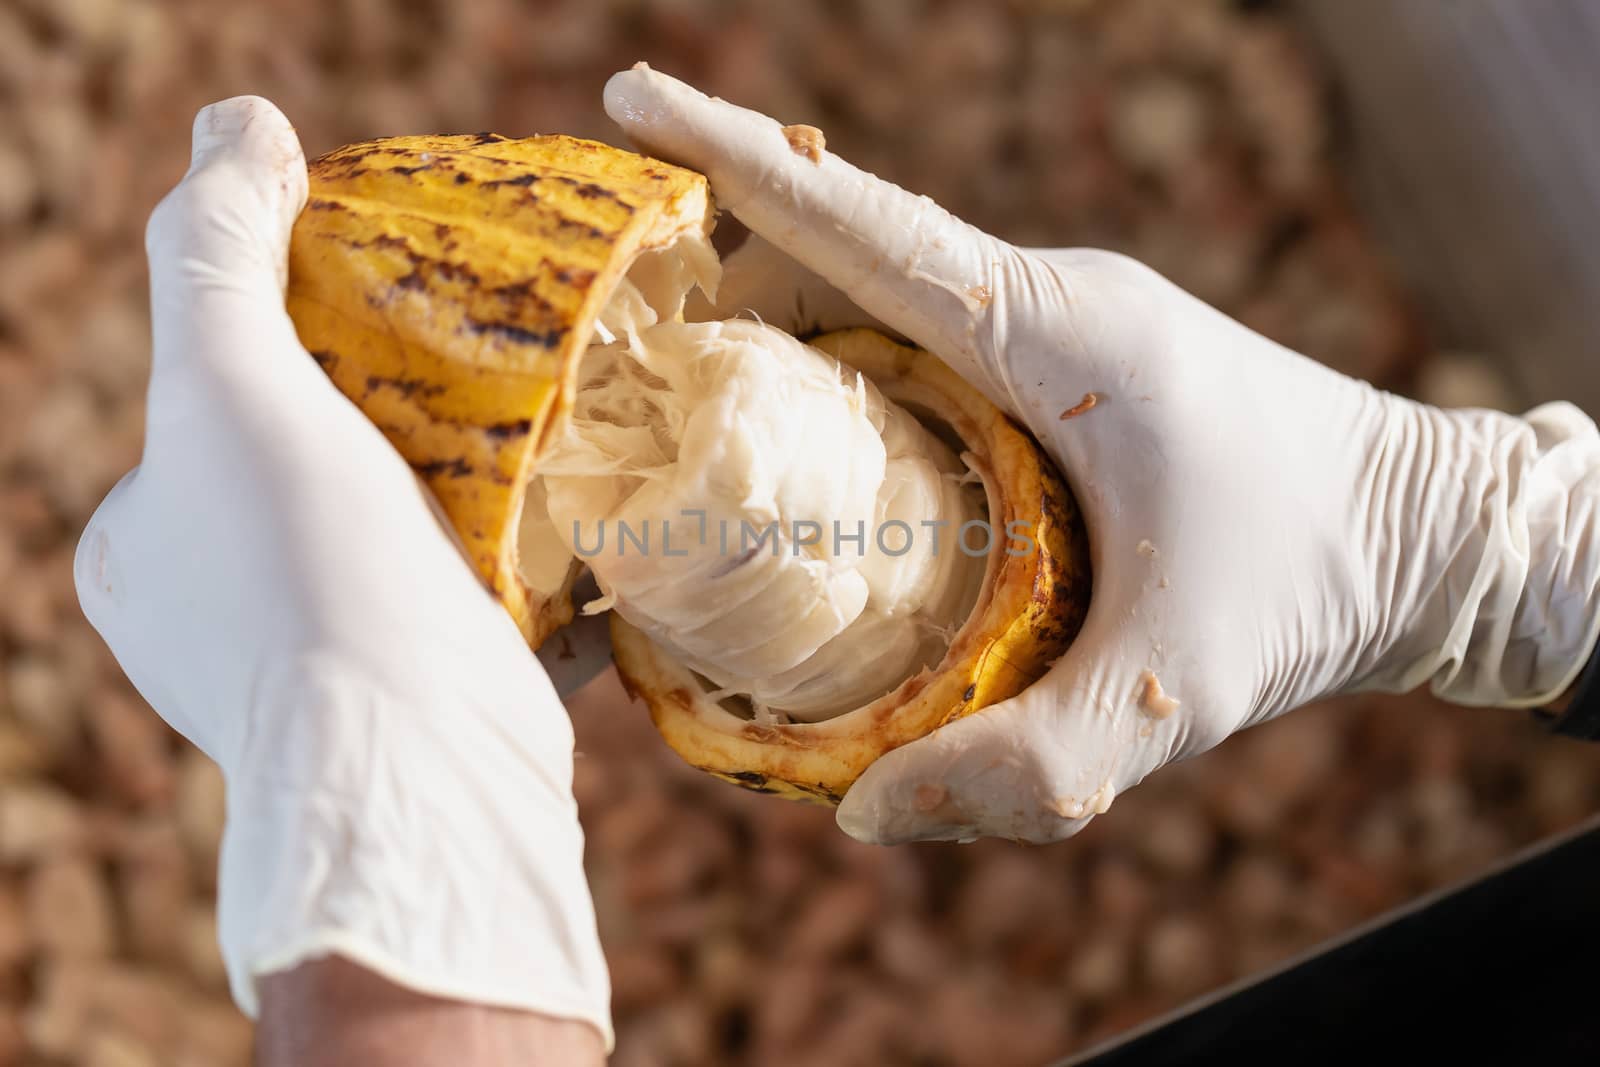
(1195,134)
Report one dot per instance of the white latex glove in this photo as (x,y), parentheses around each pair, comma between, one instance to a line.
(275,581)
(1265,531)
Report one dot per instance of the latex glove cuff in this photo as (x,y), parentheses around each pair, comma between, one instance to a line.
(1495,594)
(336,844)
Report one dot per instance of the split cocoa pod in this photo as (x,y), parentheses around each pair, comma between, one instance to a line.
(463,291)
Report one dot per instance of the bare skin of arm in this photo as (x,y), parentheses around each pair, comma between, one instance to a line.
(332,1013)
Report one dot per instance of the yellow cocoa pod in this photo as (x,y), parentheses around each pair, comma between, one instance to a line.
(450,287)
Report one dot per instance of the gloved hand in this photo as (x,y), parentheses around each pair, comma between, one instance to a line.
(278,585)
(1265,531)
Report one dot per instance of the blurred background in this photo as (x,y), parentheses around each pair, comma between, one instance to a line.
(1217,140)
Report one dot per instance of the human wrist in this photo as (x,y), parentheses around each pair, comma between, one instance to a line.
(331,1012)
(1562,700)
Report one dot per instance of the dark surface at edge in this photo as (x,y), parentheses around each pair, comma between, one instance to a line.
(1499,970)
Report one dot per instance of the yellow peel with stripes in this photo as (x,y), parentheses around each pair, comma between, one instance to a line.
(449,285)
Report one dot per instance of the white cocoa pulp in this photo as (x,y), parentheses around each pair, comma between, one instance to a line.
(755,507)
